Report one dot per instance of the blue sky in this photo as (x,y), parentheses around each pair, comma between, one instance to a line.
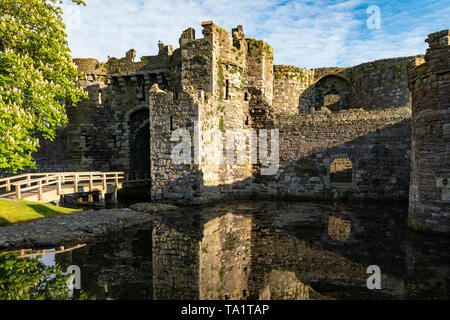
(303,33)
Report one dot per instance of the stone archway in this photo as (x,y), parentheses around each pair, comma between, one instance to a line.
(139,140)
(332,92)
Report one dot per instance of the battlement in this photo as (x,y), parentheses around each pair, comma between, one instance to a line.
(439,39)
(90,66)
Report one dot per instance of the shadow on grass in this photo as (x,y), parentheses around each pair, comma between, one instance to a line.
(44,210)
(4,222)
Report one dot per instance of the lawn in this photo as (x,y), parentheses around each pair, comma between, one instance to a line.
(13,211)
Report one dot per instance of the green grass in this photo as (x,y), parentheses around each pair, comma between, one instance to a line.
(14,211)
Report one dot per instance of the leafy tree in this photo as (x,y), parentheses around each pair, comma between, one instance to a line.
(38,78)
(30,279)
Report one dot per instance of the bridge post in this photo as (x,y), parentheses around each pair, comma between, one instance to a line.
(40,189)
(8,185)
(116,180)
(28,178)
(18,193)
(75,184)
(59,186)
(91,184)
(104,182)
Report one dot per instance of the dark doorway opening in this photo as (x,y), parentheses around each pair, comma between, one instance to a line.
(140,141)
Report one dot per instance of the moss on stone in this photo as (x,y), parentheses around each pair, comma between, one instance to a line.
(221,273)
(222,124)
(422,72)
(201,58)
(416,226)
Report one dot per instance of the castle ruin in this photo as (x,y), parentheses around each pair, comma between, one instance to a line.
(344,132)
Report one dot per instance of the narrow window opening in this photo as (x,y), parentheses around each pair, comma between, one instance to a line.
(246,97)
(227,90)
(341,171)
(171,123)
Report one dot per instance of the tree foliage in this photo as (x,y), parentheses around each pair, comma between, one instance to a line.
(38,78)
(30,279)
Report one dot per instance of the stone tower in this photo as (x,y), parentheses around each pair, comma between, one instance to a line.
(429,82)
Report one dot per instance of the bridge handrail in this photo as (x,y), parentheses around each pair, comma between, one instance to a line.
(10,180)
(46,174)
(32,182)
(59,179)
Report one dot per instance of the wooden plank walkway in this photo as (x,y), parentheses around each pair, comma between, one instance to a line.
(49,187)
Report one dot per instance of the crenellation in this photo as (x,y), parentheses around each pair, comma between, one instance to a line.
(344,131)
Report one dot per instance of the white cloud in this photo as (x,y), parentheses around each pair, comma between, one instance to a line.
(303,33)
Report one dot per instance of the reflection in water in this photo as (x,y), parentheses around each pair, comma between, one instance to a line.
(35,278)
(225,258)
(339,228)
(265,250)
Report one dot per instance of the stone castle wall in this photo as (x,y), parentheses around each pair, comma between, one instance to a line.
(105,129)
(225,82)
(376,142)
(223,76)
(373,85)
(429,80)
(289,85)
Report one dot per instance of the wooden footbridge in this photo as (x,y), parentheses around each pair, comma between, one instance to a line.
(49,187)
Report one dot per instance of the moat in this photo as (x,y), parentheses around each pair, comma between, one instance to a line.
(264,250)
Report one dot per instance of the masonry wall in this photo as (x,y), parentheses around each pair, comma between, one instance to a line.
(373,85)
(170,181)
(54,156)
(289,84)
(222,81)
(379,84)
(105,131)
(376,142)
(429,80)
(225,82)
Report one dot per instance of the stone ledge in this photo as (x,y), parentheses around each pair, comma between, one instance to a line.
(148,207)
(69,229)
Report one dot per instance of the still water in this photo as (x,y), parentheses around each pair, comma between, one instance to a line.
(254,250)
